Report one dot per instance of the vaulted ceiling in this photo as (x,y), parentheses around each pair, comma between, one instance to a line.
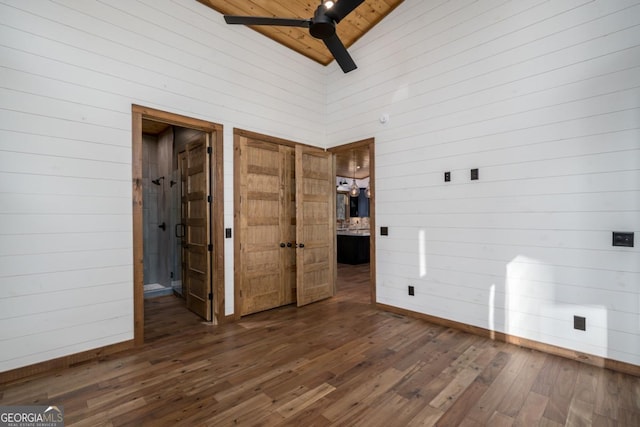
(350,29)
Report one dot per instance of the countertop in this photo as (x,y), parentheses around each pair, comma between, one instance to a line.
(362,232)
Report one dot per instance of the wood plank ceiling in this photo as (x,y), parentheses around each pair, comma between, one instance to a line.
(350,29)
(353,163)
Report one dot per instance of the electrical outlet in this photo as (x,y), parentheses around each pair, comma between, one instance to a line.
(411,290)
(474,174)
(447,176)
(580,323)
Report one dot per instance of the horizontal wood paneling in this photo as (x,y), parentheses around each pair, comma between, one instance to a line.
(16,244)
(65,223)
(49,204)
(136,59)
(543,98)
(40,263)
(21,142)
(110,331)
(62,185)
(69,73)
(41,319)
(55,281)
(35,164)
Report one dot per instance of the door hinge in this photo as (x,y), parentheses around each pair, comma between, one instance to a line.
(210,296)
(210,248)
(209,150)
(209,199)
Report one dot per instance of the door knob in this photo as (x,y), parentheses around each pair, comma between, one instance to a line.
(300,245)
(282,245)
(289,244)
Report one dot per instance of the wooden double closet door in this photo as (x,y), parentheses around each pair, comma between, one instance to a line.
(285,224)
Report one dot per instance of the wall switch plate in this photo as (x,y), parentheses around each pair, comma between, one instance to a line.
(622,239)
(384,231)
(412,290)
(447,176)
(474,174)
(227,233)
(580,323)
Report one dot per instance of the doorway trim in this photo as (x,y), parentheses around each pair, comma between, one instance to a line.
(370,144)
(217,209)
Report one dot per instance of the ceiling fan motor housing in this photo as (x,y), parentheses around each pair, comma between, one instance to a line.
(322,26)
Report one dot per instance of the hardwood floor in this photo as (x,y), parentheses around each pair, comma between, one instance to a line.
(336,362)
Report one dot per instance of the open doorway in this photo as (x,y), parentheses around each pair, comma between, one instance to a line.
(163,215)
(177,213)
(355,210)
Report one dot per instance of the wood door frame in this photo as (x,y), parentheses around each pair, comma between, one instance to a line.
(217,210)
(370,144)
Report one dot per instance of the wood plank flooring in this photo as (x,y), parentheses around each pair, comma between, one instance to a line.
(339,362)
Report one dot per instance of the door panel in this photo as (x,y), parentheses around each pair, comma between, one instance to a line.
(265,209)
(288,225)
(197,258)
(315,227)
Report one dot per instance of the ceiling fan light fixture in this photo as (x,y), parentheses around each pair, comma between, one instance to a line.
(328,4)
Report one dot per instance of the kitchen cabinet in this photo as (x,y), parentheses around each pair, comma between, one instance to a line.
(353,247)
(359,206)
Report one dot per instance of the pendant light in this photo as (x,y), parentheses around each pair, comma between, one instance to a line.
(367,192)
(354,190)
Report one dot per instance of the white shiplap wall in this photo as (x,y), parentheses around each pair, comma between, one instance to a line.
(544,98)
(69,72)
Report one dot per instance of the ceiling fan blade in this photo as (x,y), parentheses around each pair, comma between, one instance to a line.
(258,20)
(340,53)
(342,8)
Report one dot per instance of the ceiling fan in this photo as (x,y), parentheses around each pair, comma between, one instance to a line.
(322,26)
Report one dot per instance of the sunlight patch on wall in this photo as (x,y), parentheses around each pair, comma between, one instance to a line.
(422,253)
(533,311)
(519,304)
(492,310)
